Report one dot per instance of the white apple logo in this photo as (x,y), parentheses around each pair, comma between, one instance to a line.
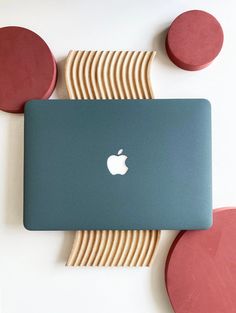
(116,163)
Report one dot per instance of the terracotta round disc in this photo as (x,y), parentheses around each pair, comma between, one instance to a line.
(28,69)
(194,40)
(201,267)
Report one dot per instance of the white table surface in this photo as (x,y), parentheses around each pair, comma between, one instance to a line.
(33,278)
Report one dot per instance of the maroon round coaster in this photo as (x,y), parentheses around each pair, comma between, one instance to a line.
(201,267)
(194,39)
(27,70)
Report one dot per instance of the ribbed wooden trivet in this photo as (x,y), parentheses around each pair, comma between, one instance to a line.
(111,75)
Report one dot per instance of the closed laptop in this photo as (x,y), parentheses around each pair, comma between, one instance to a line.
(117,164)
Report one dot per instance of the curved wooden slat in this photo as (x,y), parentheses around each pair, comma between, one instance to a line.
(148,75)
(126,247)
(106,74)
(94,80)
(95,248)
(137,71)
(151,248)
(124,75)
(120,248)
(143,72)
(76,81)
(138,248)
(68,74)
(101,248)
(132,247)
(130,75)
(112,75)
(118,75)
(100,76)
(83,248)
(107,248)
(87,75)
(144,248)
(81,77)
(75,248)
(89,248)
(114,248)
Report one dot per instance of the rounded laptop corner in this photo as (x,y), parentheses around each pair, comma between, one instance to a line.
(27,225)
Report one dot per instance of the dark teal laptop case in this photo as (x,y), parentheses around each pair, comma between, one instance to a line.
(67,185)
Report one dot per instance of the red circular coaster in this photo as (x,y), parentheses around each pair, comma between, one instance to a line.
(201,267)
(194,39)
(28,68)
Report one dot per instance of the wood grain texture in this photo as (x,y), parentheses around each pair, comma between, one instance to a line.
(114,248)
(111,75)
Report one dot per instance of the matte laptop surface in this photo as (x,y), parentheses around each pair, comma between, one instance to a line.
(117,164)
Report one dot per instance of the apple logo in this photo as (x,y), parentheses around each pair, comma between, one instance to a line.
(116,163)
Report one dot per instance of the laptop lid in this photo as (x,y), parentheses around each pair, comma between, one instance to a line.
(117,164)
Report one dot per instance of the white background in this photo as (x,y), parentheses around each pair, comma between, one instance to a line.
(33,278)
